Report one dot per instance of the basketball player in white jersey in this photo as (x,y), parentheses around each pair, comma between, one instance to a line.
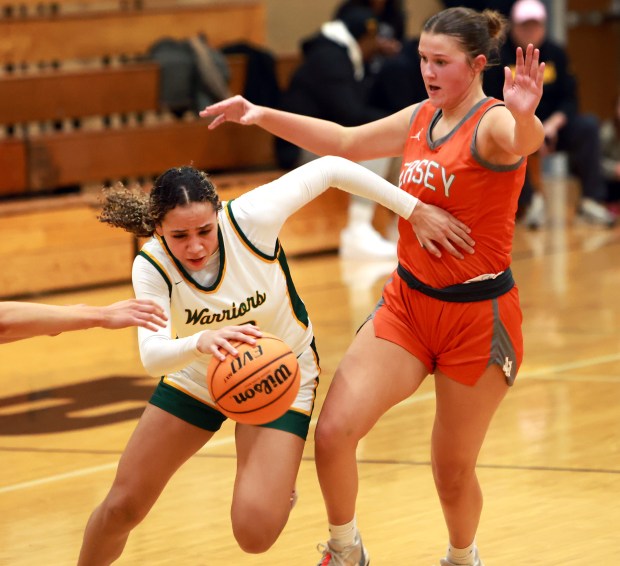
(220,274)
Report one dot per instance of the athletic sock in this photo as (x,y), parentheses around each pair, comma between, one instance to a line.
(342,535)
(462,556)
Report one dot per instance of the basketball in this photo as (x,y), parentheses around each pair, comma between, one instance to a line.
(257,386)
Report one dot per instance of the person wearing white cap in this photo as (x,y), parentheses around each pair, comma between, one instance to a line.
(566,129)
(528,10)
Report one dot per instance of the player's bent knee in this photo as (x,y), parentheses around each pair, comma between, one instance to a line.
(335,432)
(123,511)
(255,536)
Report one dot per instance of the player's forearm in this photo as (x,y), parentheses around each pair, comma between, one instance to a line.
(23,320)
(528,136)
(313,134)
(358,180)
(161,355)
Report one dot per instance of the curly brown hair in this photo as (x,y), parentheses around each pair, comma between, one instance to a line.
(139,212)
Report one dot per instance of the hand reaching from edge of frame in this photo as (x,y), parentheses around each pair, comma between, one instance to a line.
(235,109)
(217,342)
(433,225)
(133,312)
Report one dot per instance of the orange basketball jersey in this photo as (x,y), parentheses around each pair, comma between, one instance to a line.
(449,173)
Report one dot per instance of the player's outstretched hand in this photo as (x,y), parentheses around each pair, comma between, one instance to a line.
(217,342)
(133,312)
(235,109)
(522,92)
(434,226)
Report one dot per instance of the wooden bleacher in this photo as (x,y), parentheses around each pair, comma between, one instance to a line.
(77,94)
(83,156)
(69,90)
(92,34)
(13,166)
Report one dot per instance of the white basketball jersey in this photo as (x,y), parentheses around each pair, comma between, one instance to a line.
(250,286)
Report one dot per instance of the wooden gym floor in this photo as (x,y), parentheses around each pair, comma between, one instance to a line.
(550,467)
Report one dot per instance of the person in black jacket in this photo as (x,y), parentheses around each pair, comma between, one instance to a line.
(330,84)
(566,129)
(391,23)
(399,82)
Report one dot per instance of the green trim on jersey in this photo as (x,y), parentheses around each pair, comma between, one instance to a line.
(298,305)
(245,239)
(316,353)
(159,268)
(190,280)
(299,308)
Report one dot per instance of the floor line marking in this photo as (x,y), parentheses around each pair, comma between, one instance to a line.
(542,372)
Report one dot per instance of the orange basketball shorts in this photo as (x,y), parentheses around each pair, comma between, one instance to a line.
(459,339)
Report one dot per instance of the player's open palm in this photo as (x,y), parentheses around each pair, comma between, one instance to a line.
(235,109)
(133,312)
(522,92)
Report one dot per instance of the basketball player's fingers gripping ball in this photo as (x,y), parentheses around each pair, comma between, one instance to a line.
(257,386)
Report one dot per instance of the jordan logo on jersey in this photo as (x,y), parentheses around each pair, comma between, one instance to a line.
(417,136)
(206,316)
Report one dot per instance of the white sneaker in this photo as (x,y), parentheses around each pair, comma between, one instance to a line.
(595,213)
(535,216)
(363,242)
(354,555)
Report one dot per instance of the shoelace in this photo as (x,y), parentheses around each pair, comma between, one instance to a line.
(328,559)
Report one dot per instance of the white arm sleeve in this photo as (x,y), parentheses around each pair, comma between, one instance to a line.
(262,211)
(159,351)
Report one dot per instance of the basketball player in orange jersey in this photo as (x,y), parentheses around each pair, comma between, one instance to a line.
(219,273)
(20,320)
(457,318)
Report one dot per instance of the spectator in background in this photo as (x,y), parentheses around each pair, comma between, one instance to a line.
(610,139)
(399,82)
(330,84)
(391,20)
(566,129)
